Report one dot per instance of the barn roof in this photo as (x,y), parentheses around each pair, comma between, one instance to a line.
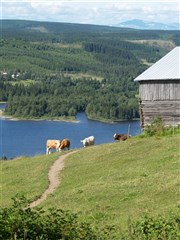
(167,68)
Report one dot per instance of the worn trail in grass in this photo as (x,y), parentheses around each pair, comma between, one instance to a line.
(54,179)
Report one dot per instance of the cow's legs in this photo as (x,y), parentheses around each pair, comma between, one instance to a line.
(48,150)
(58,149)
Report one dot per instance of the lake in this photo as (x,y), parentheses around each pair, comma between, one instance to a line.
(28,138)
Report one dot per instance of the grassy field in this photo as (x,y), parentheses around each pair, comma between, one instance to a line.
(28,176)
(108,183)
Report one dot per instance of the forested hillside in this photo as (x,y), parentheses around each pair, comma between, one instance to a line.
(55,70)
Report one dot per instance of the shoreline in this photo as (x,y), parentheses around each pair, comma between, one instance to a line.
(3,116)
(113,121)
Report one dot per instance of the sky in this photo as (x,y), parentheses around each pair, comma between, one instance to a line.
(100,12)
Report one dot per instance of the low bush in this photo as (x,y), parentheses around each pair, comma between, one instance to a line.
(158,128)
(157,228)
(20,222)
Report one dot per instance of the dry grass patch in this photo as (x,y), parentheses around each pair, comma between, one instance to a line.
(169,45)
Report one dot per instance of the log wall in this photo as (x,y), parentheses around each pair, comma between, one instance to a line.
(169,111)
(159,90)
(160,98)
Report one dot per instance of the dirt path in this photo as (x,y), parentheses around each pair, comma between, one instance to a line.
(54,179)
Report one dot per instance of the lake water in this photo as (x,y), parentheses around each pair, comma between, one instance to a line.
(28,138)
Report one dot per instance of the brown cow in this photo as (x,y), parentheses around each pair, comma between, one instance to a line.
(121,137)
(65,144)
(52,144)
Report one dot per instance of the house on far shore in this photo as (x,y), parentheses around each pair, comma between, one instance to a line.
(159,90)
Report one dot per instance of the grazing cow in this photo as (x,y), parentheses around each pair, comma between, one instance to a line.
(121,137)
(52,144)
(65,144)
(88,141)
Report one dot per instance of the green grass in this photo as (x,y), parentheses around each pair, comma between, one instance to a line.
(23,82)
(114,182)
(108,183)
(28,176)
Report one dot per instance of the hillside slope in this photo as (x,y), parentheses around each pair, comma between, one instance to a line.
(107,183)
(114,182)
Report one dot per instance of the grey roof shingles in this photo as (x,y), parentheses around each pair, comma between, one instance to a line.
(167,68)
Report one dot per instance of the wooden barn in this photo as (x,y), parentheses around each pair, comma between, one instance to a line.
(159,90)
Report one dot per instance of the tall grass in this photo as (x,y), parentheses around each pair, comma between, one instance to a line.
(158,128)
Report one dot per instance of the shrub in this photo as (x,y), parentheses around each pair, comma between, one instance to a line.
(158,128)
(3,157)
(149,228)
(21,222)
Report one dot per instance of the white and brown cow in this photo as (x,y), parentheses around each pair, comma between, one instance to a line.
(52,144)
(121,136)
(57,144)
(89,141)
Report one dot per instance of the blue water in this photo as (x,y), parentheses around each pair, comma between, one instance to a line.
(28,138)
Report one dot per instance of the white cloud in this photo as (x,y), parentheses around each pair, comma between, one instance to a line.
(94,12)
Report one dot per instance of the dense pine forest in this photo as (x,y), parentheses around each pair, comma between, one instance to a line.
(54,70)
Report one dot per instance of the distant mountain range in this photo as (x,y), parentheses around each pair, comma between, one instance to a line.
(139,24)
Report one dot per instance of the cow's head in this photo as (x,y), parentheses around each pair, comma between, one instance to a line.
(116,136)
(84,141)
